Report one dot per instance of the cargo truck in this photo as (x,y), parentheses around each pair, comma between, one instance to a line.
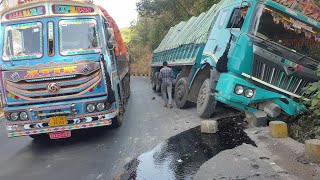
(252,55)
(63,67)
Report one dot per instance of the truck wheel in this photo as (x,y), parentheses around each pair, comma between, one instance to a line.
(154,81)
(127,89)
(181,93)
(206,103)
(118,120)
(158,83)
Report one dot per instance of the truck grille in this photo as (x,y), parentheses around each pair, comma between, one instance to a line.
(69,86)
(279,78)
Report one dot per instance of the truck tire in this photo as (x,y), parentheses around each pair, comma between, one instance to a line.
(206,102)
(158,83)
(181,93)
(127,87)
(154,82)
(118,120)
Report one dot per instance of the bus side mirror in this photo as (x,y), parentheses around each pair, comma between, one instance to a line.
(111,40)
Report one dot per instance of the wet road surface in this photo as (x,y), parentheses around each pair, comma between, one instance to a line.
(97,153)
(181,156)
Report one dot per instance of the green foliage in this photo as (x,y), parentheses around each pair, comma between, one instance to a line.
(314,103)
(155,19)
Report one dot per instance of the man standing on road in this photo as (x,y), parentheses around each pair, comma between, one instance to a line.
(166,79)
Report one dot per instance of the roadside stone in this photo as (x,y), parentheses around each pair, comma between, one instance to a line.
(209,126)
(278,129)
(259,119)
(312,148)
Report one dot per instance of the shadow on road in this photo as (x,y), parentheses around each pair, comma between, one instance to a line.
(181,156)
(78,137)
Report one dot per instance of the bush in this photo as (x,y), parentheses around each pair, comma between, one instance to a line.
(314,103)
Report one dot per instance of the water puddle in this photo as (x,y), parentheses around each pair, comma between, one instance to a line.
(181,156)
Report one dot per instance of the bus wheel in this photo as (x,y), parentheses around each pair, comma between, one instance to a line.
(206,102)
(158,83)
(127,89)
(181,93)
(118,120)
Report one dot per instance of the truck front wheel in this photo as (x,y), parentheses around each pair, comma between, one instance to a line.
(206,102)
(181,93)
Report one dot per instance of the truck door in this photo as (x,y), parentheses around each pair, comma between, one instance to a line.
(220,33)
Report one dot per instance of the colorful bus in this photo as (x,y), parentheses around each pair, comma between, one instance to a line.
(63,67)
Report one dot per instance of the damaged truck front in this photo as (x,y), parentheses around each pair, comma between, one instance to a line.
(253,55)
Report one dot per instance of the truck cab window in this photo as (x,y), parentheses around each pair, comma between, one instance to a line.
(237,18)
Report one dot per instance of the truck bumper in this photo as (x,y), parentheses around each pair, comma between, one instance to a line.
(82,120)
(226,94)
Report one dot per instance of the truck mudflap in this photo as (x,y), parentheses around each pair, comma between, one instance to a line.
(226,94)
(76,124)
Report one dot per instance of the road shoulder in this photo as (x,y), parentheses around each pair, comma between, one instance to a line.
(271,159)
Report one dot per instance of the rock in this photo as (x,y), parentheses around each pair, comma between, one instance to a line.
(312,148)
(209,126)
(278,129)
(260,119)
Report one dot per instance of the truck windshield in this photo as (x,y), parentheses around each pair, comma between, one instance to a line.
(22,41)
(79,36)
(273,25)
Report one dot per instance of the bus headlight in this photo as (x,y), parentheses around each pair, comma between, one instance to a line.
(23,116)
(100,106)
(14,116)
(91,108)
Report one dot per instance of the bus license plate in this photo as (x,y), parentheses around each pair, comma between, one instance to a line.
(60,135)
(58,121)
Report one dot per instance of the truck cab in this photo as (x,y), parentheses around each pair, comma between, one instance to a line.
(59,71)
(252,55)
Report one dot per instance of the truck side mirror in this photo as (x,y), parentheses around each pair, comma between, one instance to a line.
(111,39)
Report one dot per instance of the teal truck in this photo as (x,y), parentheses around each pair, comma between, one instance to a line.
(253,55)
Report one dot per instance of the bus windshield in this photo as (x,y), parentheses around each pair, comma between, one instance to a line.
(79,36)
(23,41)
(278,27)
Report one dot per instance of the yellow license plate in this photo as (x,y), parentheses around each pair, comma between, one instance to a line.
(58,121)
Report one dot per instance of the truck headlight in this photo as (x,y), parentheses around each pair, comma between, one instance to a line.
(91,108)
(239,90)
(249,93)
(14,116)
(23,116)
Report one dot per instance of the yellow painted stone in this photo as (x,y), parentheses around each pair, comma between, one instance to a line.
(312,148)
(278,129)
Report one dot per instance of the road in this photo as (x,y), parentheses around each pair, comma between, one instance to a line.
(156,143)
(98,153)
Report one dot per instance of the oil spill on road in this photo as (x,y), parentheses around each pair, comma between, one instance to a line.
(181,156)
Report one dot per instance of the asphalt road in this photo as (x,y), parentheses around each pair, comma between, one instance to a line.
(98,153)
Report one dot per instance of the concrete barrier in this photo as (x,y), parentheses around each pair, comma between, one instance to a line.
(209,126)
(278,129)
(312,148)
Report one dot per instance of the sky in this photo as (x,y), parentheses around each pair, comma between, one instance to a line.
(122,11)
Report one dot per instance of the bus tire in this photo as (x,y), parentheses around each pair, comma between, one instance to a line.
(181,93)
(206,102)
